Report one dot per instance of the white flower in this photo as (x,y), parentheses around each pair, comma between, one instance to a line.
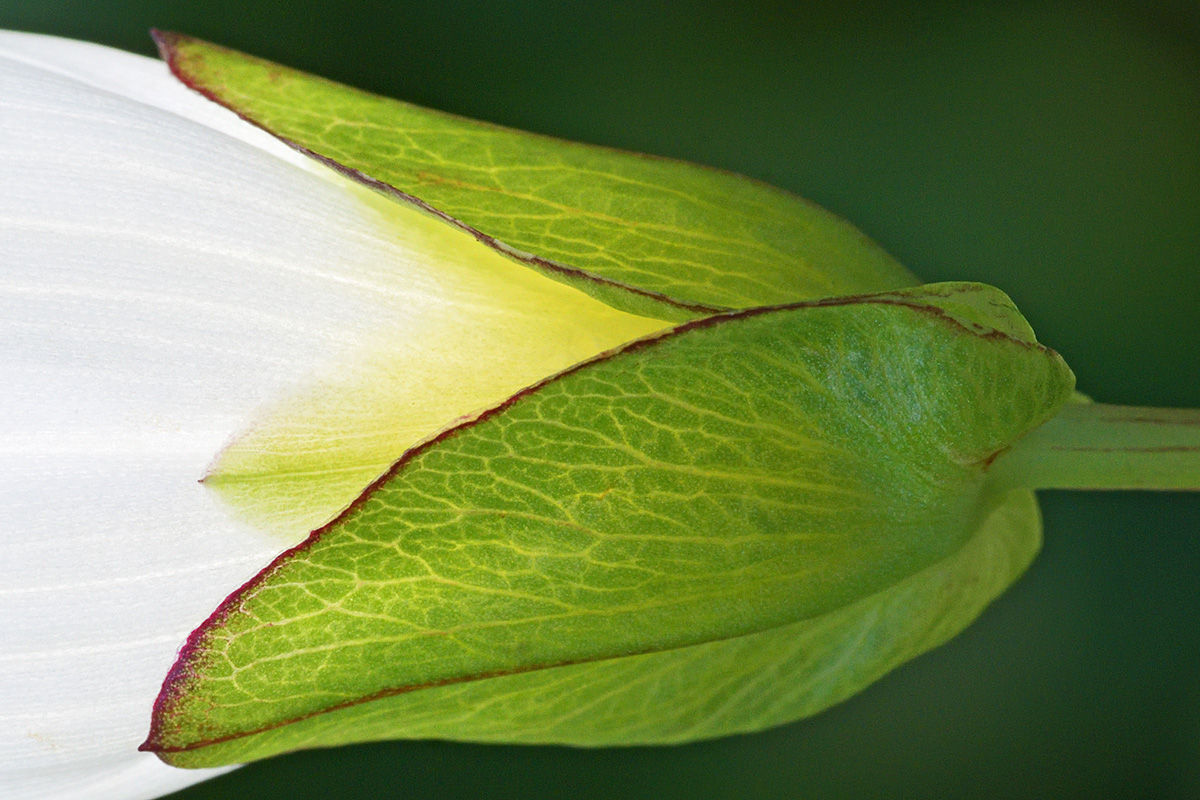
(176,284)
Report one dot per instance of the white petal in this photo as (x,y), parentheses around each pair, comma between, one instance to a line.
(135,77)
(171,280)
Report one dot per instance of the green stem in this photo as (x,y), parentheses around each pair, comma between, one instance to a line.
(1098,446)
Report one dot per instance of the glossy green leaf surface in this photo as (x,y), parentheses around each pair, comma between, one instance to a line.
(648,235)
(821,465)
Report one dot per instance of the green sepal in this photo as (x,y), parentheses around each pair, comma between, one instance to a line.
(705,691)
(652,236)
(694,500)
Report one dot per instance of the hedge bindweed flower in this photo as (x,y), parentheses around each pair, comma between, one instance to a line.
(425,428)
(173,279)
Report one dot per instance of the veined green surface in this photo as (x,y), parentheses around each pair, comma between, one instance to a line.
(734,477)
(703,691)
(652,236)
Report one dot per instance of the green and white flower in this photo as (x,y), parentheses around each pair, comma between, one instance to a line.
(171,278)
(330,419)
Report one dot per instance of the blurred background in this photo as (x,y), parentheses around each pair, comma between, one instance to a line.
(1050,149)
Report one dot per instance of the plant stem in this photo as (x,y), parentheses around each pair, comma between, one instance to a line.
(1098,446)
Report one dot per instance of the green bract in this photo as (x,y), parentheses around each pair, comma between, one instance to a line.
(722,526)
(653,236)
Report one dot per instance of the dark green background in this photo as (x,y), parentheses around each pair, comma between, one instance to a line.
(1050,149)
